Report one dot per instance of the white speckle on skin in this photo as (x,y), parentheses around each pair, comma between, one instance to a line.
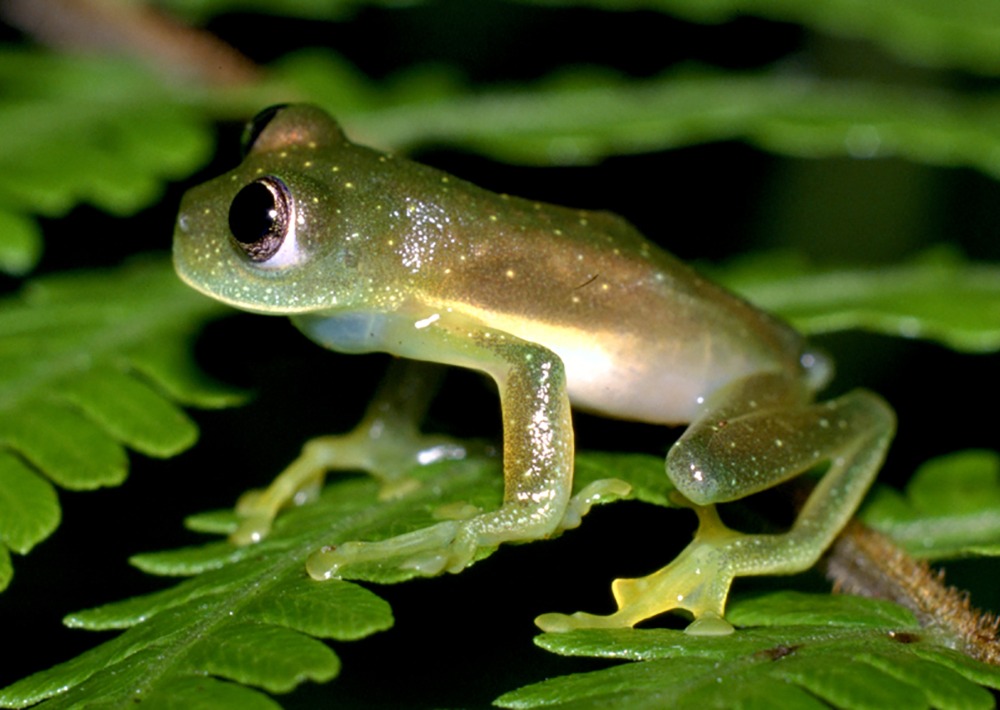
(424,322)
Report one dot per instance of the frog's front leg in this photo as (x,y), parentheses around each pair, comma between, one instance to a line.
(537,451)
(753,435)
(386,443)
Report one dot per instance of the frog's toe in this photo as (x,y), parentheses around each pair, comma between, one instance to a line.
(327,562)
(255,518)
(453,557)
(600,491)
(444,546)
(251,529)
(561,623)
(456,510)
(709,624)
(429,564)
(249,503)
(696,582)
(395,488)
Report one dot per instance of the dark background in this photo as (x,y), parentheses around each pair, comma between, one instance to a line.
(702,203)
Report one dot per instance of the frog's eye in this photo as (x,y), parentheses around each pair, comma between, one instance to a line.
(257,125)
(262,222)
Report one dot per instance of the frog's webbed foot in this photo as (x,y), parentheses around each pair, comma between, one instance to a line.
(386,458)
(387,444)
(452,545)
(780,436)
(599,491)
(446,546)
(697,581)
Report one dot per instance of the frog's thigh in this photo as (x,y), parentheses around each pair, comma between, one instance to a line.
(760,433)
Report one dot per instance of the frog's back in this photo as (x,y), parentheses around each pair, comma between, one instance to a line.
(643,336)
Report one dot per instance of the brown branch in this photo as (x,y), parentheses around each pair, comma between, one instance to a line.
(132,29)
(865,562)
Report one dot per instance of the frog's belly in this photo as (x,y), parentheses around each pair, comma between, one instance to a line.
(636,378)
(630,390)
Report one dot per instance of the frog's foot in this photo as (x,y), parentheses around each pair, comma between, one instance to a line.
(368,448)
(257,509)
(254,524)
(445,546)
(602,490)
(697,581)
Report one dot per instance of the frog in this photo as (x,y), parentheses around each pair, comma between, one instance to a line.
(367,251)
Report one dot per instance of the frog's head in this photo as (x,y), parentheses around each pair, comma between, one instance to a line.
(294,228)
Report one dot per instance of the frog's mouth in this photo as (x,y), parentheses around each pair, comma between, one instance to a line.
(218,271)
(210,268)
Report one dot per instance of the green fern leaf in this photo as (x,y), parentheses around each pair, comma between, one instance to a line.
(936,296)
(29,509)
(582,116)
(930,32)
(245,633)
(102,131)
(6,568)
(799,651)
(950,508)
(78,383)
(20,242)
(251,615)
(192,693)
(124,136)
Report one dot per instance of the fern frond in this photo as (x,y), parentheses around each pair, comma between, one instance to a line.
(797,650)
(937,296)
(101,131)
(929,32)
(250,615)
(950,507)
(582,116)
(90,364)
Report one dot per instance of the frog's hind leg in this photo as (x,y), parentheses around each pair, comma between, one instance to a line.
(386,443)
(754,435)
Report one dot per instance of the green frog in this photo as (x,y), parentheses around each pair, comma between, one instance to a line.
(367,251)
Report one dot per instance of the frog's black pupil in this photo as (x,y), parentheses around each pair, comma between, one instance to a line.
(252,213)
